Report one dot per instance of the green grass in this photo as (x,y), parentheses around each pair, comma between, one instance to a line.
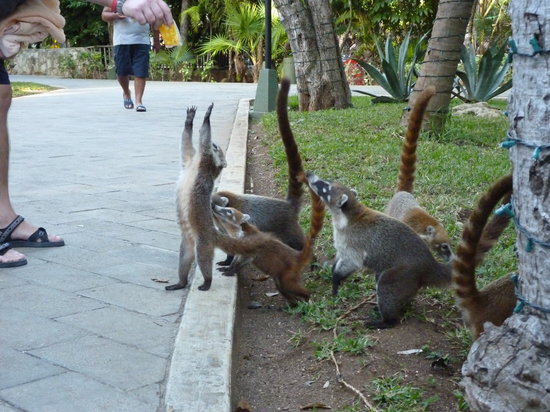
(26,88)
(392,395)
(360,147)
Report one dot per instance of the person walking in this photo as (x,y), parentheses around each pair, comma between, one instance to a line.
(14,230)
(131,44)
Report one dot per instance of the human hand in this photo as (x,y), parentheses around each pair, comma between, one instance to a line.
(154,12)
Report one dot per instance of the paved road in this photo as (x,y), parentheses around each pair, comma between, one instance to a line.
(84,327)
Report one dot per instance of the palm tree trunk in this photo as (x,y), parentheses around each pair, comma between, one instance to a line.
(320,76)
(184,22)
(508,368)
(442,57)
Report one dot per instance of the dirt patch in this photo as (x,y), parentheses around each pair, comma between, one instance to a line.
(275,366)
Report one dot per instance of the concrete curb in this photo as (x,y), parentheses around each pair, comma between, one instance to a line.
(200,372)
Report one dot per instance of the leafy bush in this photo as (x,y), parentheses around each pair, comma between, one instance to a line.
(481,82)
(90,64)
(396,74)
(172,64)
(67,65)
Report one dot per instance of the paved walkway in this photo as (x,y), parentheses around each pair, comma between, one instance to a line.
(86,327)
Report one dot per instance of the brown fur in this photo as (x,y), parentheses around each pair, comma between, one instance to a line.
(403,205)
(365,238)
(496,301)
(277,216)
(194,191)
(283,263)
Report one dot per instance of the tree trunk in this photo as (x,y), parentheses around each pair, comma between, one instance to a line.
(442,58)
(320,76)
(184,21)
(508,368)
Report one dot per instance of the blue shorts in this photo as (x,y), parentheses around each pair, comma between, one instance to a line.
(4,77)
(132,59)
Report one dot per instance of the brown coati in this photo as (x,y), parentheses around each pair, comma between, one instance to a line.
(403,205)
(363,237)
(269,214)
(271,256)
(496,301)
(194,191)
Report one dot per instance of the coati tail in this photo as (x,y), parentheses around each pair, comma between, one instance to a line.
(465,261)
(317,221)
(295,167)
(492,232)
(408,152)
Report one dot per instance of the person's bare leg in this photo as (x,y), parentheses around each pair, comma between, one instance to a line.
(124,82)
(139,87)
(7,213)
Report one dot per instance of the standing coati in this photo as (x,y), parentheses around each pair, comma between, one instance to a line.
(403,206)
(496,301)
(268,214)
(194,191)
(283,263)
(363,237)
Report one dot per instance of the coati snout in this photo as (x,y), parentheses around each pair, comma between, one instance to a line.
(333,195)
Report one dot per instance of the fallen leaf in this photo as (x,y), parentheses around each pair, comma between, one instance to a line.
(243,406)
(271,294)
(327,383)
(160,280)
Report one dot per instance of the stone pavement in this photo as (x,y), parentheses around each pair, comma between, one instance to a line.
(86,327)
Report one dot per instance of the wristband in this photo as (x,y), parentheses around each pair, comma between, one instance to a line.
(113,5)
(119,5)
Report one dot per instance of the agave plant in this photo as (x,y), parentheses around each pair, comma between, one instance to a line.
(479,83)
(397,73)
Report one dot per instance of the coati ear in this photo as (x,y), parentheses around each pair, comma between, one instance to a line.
(354,192)
(430,232)
(342,201)
(245,218)
(224,200)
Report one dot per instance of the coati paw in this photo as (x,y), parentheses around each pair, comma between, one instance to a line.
(381,324)
(225,262)
(176,286)
(227,271)
(205,285)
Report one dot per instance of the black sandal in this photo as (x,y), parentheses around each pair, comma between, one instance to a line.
(4,247)
(38,239)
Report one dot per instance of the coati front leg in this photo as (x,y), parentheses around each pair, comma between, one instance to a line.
(186,259)
(227,262)
(341,269)
(237,263)
(289,285)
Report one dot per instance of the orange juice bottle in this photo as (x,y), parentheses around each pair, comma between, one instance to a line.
(170,35)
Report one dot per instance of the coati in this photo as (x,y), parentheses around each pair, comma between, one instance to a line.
(403,205)
(496,301)
(269,254)
(363,237)
(194,191)
(269,214)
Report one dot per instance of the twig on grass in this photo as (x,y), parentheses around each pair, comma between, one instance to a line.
(341,380)
(368,299)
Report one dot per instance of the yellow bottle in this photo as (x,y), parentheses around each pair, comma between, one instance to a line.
(170,35)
